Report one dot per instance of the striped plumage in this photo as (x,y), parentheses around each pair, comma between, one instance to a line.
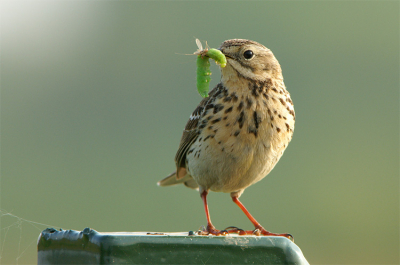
(236,136)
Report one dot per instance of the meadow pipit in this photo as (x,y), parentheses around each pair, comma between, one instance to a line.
(235,137)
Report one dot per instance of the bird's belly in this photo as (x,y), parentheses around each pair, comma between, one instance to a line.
(232,167)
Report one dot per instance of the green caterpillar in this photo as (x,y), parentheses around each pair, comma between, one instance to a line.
(203,67)
(217,56)
(203,75)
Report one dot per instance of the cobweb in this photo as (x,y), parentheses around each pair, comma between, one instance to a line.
(18,239)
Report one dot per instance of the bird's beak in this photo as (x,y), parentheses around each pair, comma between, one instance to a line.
(226,55)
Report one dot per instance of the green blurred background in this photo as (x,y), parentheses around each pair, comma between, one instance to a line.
(95,95)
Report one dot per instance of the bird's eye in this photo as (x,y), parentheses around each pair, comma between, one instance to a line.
(248,54)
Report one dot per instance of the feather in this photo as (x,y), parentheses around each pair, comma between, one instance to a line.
(171,179)
(190,134)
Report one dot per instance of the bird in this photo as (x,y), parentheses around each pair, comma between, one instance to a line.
(237,134)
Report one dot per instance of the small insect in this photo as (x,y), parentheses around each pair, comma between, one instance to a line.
(203,66)
(200,50)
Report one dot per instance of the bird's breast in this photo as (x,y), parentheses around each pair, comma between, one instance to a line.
(242,135)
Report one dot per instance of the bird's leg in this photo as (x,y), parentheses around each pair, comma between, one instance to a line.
(259,230)
(210,227)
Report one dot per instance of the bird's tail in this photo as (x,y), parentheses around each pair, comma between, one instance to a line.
(170,180)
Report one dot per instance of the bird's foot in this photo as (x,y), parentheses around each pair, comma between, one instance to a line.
(258,231)
(261,231)
(211,230)
(237,230)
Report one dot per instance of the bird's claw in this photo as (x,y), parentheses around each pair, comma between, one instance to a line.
(234,229)
(212,231)
(290,237)
(223,233)
(261,231)
(258,231)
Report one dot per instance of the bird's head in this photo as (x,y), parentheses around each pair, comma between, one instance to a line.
(250,60)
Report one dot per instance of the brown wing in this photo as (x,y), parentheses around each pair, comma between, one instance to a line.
(190,135)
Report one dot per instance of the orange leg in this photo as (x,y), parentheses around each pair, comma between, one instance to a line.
(258,228)
(210,227)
